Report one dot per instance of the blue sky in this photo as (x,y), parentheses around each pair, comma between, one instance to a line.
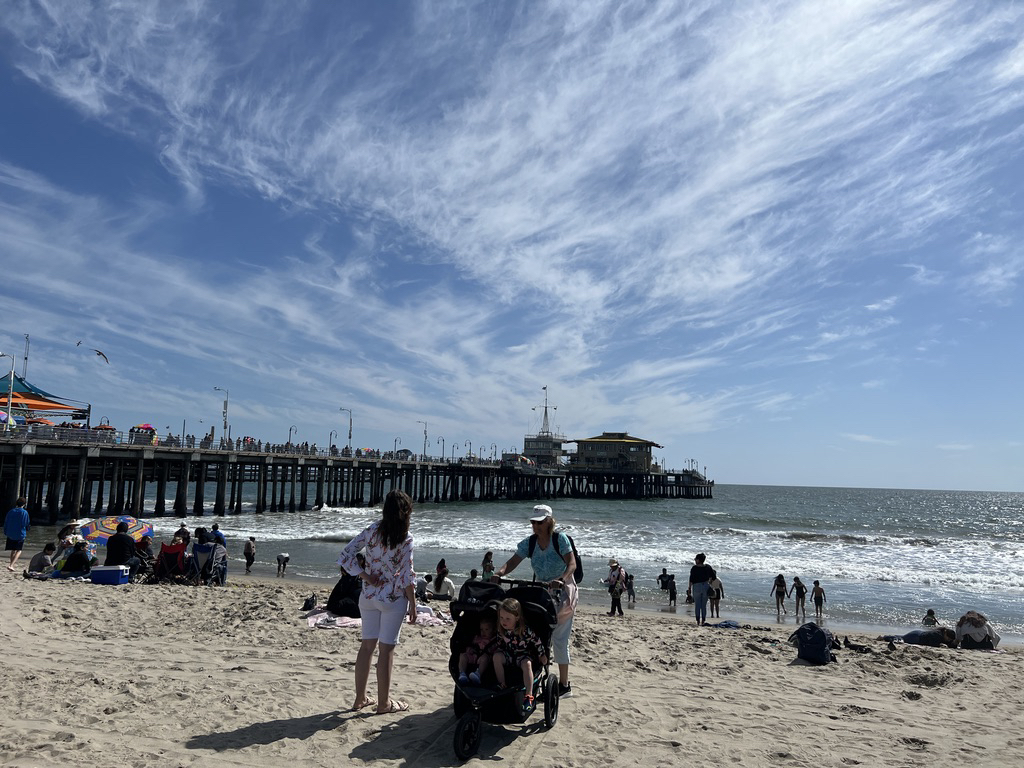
(783,240)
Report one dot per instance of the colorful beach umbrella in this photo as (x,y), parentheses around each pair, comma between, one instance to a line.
(145,426)
(103,528)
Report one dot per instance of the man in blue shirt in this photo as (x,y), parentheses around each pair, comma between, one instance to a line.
(218,536)
(16,526)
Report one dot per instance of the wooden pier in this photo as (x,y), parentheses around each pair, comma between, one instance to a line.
(66,480)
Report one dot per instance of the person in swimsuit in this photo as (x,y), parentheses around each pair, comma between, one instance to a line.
(801,596)
(779,590)
(818,596)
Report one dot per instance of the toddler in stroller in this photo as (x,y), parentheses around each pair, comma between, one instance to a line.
(522,648)
(479,652)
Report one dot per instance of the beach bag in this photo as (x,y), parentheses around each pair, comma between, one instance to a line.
(577,575)
(814,644)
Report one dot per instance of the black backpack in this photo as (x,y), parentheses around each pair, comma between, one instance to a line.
(577,575)
(814,644)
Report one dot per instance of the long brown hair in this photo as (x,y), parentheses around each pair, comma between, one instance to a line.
(394,521)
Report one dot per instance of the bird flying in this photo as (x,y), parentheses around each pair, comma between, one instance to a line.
(102,355)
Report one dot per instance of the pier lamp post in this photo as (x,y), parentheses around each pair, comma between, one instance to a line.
(424,438)
(349,411)
(394,453)
(10,390)
(494,452)
(470,444)
(290,429)
(441,441)
(227,395)
(454,446)
(330,440)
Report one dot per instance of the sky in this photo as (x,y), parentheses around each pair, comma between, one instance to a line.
(781,239)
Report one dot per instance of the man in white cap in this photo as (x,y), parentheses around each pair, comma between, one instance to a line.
(551,555)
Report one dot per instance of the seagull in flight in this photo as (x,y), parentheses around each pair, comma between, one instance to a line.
(102,355)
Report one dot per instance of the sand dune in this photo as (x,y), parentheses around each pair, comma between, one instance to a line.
(170,675)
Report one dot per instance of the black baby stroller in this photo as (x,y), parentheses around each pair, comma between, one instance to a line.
(476,704)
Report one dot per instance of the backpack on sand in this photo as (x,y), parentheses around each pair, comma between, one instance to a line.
(814,644)
(577,575)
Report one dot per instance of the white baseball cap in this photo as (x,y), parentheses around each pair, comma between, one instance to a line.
(541,512)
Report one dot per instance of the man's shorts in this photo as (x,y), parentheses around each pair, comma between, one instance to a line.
(15,545)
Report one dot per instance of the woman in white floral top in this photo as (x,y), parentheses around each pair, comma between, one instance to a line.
(388,596)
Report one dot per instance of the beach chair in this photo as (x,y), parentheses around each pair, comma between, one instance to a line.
(170,564)
(209,564)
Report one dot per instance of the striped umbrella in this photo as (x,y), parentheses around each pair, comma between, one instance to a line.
(103,528)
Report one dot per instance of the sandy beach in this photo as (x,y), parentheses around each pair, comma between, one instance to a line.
(177,676)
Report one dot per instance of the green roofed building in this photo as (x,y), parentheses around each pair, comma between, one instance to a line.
(614,451)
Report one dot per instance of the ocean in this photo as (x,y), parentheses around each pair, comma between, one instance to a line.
(883,556)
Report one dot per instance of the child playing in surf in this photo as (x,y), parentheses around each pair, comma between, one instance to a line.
(779,590)
(518,645)
(818,596)
(479,652)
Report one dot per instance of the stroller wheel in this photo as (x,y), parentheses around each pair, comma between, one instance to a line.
(551,702)
(467,736)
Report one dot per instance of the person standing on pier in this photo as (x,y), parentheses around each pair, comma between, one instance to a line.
(16,526)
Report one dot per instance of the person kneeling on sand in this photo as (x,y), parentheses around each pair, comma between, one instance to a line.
(974,631)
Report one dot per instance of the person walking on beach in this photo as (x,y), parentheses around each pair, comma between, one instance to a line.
(616,582)
(550,554)
(671,591)
(700,577)
(818,596)
(630,590)
(779,590)
(801,597)
(250,553)
(716,591)
(16,525)
(387,598)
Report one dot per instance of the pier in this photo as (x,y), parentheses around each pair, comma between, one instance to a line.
(83,474)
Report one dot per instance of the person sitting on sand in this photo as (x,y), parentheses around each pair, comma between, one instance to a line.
(421,586)
(974,631)
(42,562)
(443,588)
(929,619)
(78,563)
(121,551)
(779,590)
(479,652)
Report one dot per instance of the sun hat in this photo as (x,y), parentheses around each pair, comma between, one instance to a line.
(613,563)
(541,512)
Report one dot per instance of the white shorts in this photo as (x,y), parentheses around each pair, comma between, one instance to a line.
(383,619)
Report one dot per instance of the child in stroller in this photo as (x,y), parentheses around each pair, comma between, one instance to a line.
(479,652)
(490,701)
(518,645)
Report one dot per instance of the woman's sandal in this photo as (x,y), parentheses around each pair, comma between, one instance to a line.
(367,702)
(393,706)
